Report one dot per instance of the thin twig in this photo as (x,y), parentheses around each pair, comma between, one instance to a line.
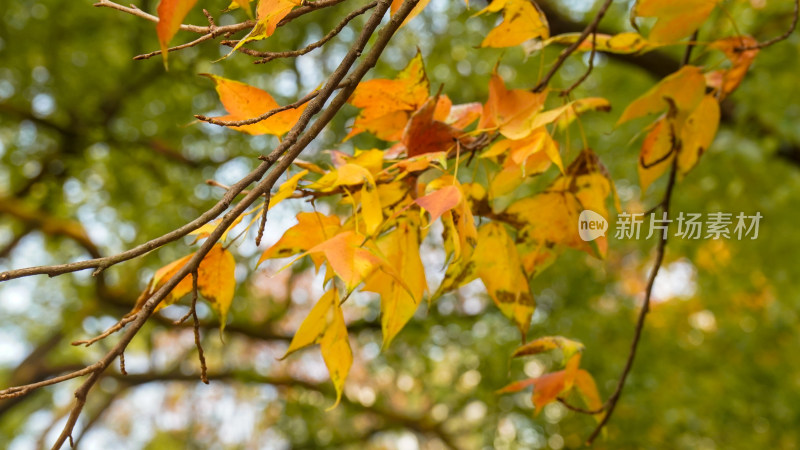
(263,223)
(269,56)
(578,409)
(611,403)
(197,343)
(17,391)
(585,75)
(777,39)
(111,330)
(122,364)
(265,116)
(571,49)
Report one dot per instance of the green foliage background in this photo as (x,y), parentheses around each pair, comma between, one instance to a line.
(87,134)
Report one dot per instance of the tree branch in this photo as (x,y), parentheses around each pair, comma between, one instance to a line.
(562,57)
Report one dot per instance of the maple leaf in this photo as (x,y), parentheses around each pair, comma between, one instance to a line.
(269,13)
(325,325)
(170,16)
(351,174)
(522,21)
(726,81)
(460,234)
(386,105)
(243,101)
(622,43)
(399,302)
(548,387)
(676,19)
(215,282)
(509,110)
(698,133)
(584,185)
(423,134)
(686,130)
(681,90)
(347,257)
(312,228)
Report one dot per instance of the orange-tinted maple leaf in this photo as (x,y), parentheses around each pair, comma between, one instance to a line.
(440,201)
(170,15)
(388,104)
(424,134)
(243,101)
(509,110)
(727,80)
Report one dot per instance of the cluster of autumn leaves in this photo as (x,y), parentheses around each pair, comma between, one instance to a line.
(396,193)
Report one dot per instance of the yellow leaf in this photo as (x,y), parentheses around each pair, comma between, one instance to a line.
(658,151)
(622,43)
(325,325)
(584,185)
(564,115)
(286,189)
(682,90)
(587,388)
(398,302)
(246,102)
(677,19)
(269,14)
(312,228)
(348,258)
(498,266)
(522,21)
(698,133)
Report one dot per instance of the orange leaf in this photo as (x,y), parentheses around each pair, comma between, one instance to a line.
(508,110)
(729,79)
(423,134)
(243,101)
(388,104)
(417,9)
(170,16)
(348,258)
(312,228)
(215,281)
(440,201)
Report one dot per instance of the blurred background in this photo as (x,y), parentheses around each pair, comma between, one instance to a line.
(99,153)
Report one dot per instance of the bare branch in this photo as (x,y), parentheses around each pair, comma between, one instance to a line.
(780,38)
(269,56)
(562,57)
